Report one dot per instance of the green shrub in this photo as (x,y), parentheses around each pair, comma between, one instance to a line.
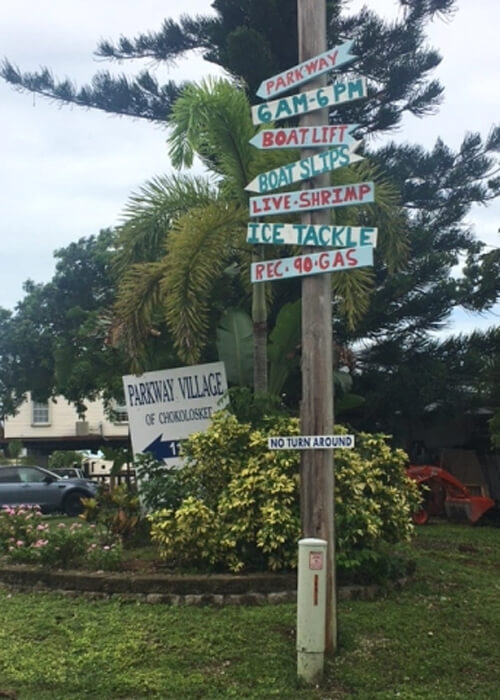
(160,486)
(115,511)
(241,509)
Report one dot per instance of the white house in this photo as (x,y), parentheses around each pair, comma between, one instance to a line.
(55,425)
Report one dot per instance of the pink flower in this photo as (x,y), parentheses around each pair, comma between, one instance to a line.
(61,525)
(19,543)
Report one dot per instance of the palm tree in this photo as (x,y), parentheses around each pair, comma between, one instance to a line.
(183,234)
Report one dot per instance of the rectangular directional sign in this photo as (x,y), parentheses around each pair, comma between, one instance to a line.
(311,442)
(306,200)
(308,70)
(312,234)
(313,264)
(166,406)
(304,169)
(286,107)
(305,136)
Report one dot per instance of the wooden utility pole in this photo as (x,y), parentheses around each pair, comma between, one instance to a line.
(317,480)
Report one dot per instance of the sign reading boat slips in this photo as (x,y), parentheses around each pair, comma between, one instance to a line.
(305,200)
(312,68)
(311,442)
(304,136)
(305,169)
(313,264)
(166,406)
(313,235)
(286,107)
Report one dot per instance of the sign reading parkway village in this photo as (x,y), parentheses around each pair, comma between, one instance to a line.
(166,406)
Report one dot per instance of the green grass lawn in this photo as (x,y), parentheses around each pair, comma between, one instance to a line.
(438,638)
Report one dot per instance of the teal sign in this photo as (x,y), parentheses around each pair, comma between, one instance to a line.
(304,169)
(312,234)
(335,94)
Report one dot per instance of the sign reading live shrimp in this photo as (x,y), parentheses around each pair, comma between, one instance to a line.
(306,200)
(313,264)
(166,406)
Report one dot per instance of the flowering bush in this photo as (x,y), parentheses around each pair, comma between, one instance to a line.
(26,538)
(104,556)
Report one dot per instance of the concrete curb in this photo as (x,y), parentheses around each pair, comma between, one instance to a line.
(216,589)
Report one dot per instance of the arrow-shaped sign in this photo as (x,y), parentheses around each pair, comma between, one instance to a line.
(163,450)
(318,235)
(305,136)
(286,107)
(305,169)
(308,70)
(306,200)
(313,264)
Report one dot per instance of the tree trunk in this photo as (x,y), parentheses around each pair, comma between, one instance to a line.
(317,479)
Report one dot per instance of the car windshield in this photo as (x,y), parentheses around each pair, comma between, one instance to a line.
(36,474)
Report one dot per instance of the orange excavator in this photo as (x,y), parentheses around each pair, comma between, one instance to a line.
(445,494)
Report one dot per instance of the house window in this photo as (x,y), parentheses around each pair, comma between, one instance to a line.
(40,413)
(118,412)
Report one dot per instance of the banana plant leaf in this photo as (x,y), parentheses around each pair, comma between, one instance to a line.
(235,346)
(284,346)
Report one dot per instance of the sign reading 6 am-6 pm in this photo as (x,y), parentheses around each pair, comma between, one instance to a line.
(313,264)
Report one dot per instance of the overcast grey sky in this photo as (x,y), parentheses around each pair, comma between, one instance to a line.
(67,172)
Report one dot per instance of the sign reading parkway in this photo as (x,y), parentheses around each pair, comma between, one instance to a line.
(311,442)
(166,406)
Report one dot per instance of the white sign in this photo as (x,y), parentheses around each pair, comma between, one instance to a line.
(312,234)
(313,264)
(304,136)
(306,200)
(305,169)
(308,70)
(311,442)
(286,107)
(166,406)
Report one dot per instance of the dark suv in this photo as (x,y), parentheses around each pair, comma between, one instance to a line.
(29,485)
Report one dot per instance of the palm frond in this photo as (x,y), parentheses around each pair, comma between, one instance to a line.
(352,290)
(199,247)
(211,120)
(137,300)
(149,213)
